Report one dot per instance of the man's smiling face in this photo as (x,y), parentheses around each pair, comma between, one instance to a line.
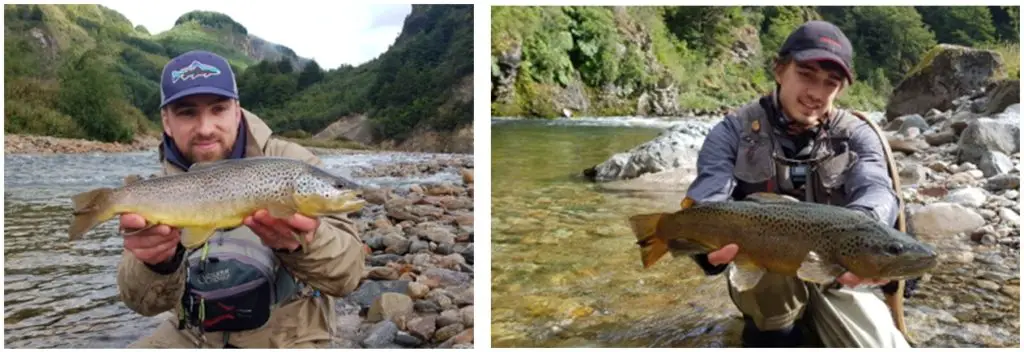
(808,89)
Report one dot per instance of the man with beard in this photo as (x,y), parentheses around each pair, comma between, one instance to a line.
(247,287)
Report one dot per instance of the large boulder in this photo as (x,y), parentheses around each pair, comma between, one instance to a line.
(676,147)
(945,73)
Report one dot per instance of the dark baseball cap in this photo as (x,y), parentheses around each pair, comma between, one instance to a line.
(197,72)
(817,41)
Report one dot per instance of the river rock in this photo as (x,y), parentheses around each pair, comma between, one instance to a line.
(390,306)
(446,277)
(945,73)
(904,123)
(467,315)
(1003,182)
(423,327)
(969,197)
(396,244)
(405,339)
(449,317)
(994,163)
(433,232)
(913,173)
(447,332)
(940,220)
(987,134)
(380,335)
(940,138)
(368,291)
(1009,216)
(676,147)
(1004,94)
(418,290)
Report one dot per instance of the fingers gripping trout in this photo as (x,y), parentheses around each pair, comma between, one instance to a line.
(219,195)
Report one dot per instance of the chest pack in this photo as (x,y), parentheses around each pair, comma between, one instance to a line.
(233,282)
(818,175)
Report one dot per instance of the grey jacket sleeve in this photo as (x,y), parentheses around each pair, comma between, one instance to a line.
(868,185)
(715,180)
(715,162)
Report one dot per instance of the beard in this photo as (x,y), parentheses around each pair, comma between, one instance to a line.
(207,149)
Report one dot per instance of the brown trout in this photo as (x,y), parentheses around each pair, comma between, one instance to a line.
(219,195)
(814,242)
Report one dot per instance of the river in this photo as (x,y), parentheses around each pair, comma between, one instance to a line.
(61,294)
(566,271)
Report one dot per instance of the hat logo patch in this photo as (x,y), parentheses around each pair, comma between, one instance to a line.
(194,70)
(830,41)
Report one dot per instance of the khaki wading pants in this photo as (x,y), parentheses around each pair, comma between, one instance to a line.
(840,318)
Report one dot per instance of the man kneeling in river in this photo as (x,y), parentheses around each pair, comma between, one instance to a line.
(248,287)
(795,142)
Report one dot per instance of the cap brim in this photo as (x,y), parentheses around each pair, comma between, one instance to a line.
(820,55)
(199,90)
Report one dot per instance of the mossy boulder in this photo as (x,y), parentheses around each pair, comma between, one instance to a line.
(945,73)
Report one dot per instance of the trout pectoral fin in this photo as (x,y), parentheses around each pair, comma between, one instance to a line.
(816,269)
(765,197)
(193,237)
(745,277)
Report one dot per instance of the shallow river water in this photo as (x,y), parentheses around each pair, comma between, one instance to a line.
(566,271)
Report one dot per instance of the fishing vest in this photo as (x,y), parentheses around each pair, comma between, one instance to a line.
(761,165)
(233,282)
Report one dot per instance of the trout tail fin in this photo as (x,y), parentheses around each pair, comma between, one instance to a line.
(645,227)
(90,209)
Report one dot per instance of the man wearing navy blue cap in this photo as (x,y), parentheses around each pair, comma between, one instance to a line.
(249,286)
(795,142)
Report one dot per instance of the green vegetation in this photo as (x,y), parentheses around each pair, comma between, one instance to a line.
(714,57)
(84,71)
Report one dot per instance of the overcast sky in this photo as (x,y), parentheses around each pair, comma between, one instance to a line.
(334,34)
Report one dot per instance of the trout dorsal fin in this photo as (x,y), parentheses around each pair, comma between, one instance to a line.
(130,179)
(765,197)
(205,165)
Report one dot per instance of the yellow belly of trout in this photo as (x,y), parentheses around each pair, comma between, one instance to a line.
(198,221)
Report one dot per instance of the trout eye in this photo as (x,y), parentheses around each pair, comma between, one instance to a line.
(894,249)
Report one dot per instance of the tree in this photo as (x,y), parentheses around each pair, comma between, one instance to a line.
(310,75)
(963,25)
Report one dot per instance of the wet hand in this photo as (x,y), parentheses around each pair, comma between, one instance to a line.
(851,280)
(723,255)
(152,245)
(281,233)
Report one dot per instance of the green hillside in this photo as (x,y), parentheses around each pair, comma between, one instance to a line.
(83,71)
(606,61)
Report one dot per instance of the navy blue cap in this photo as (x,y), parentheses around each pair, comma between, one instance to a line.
(197,72)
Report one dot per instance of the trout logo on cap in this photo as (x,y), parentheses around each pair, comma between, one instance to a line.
(197,72)
(194,70)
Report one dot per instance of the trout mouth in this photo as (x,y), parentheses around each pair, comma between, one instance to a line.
(910,267)
(350,200)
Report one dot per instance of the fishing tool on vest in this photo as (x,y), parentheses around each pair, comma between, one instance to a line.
(232,283)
